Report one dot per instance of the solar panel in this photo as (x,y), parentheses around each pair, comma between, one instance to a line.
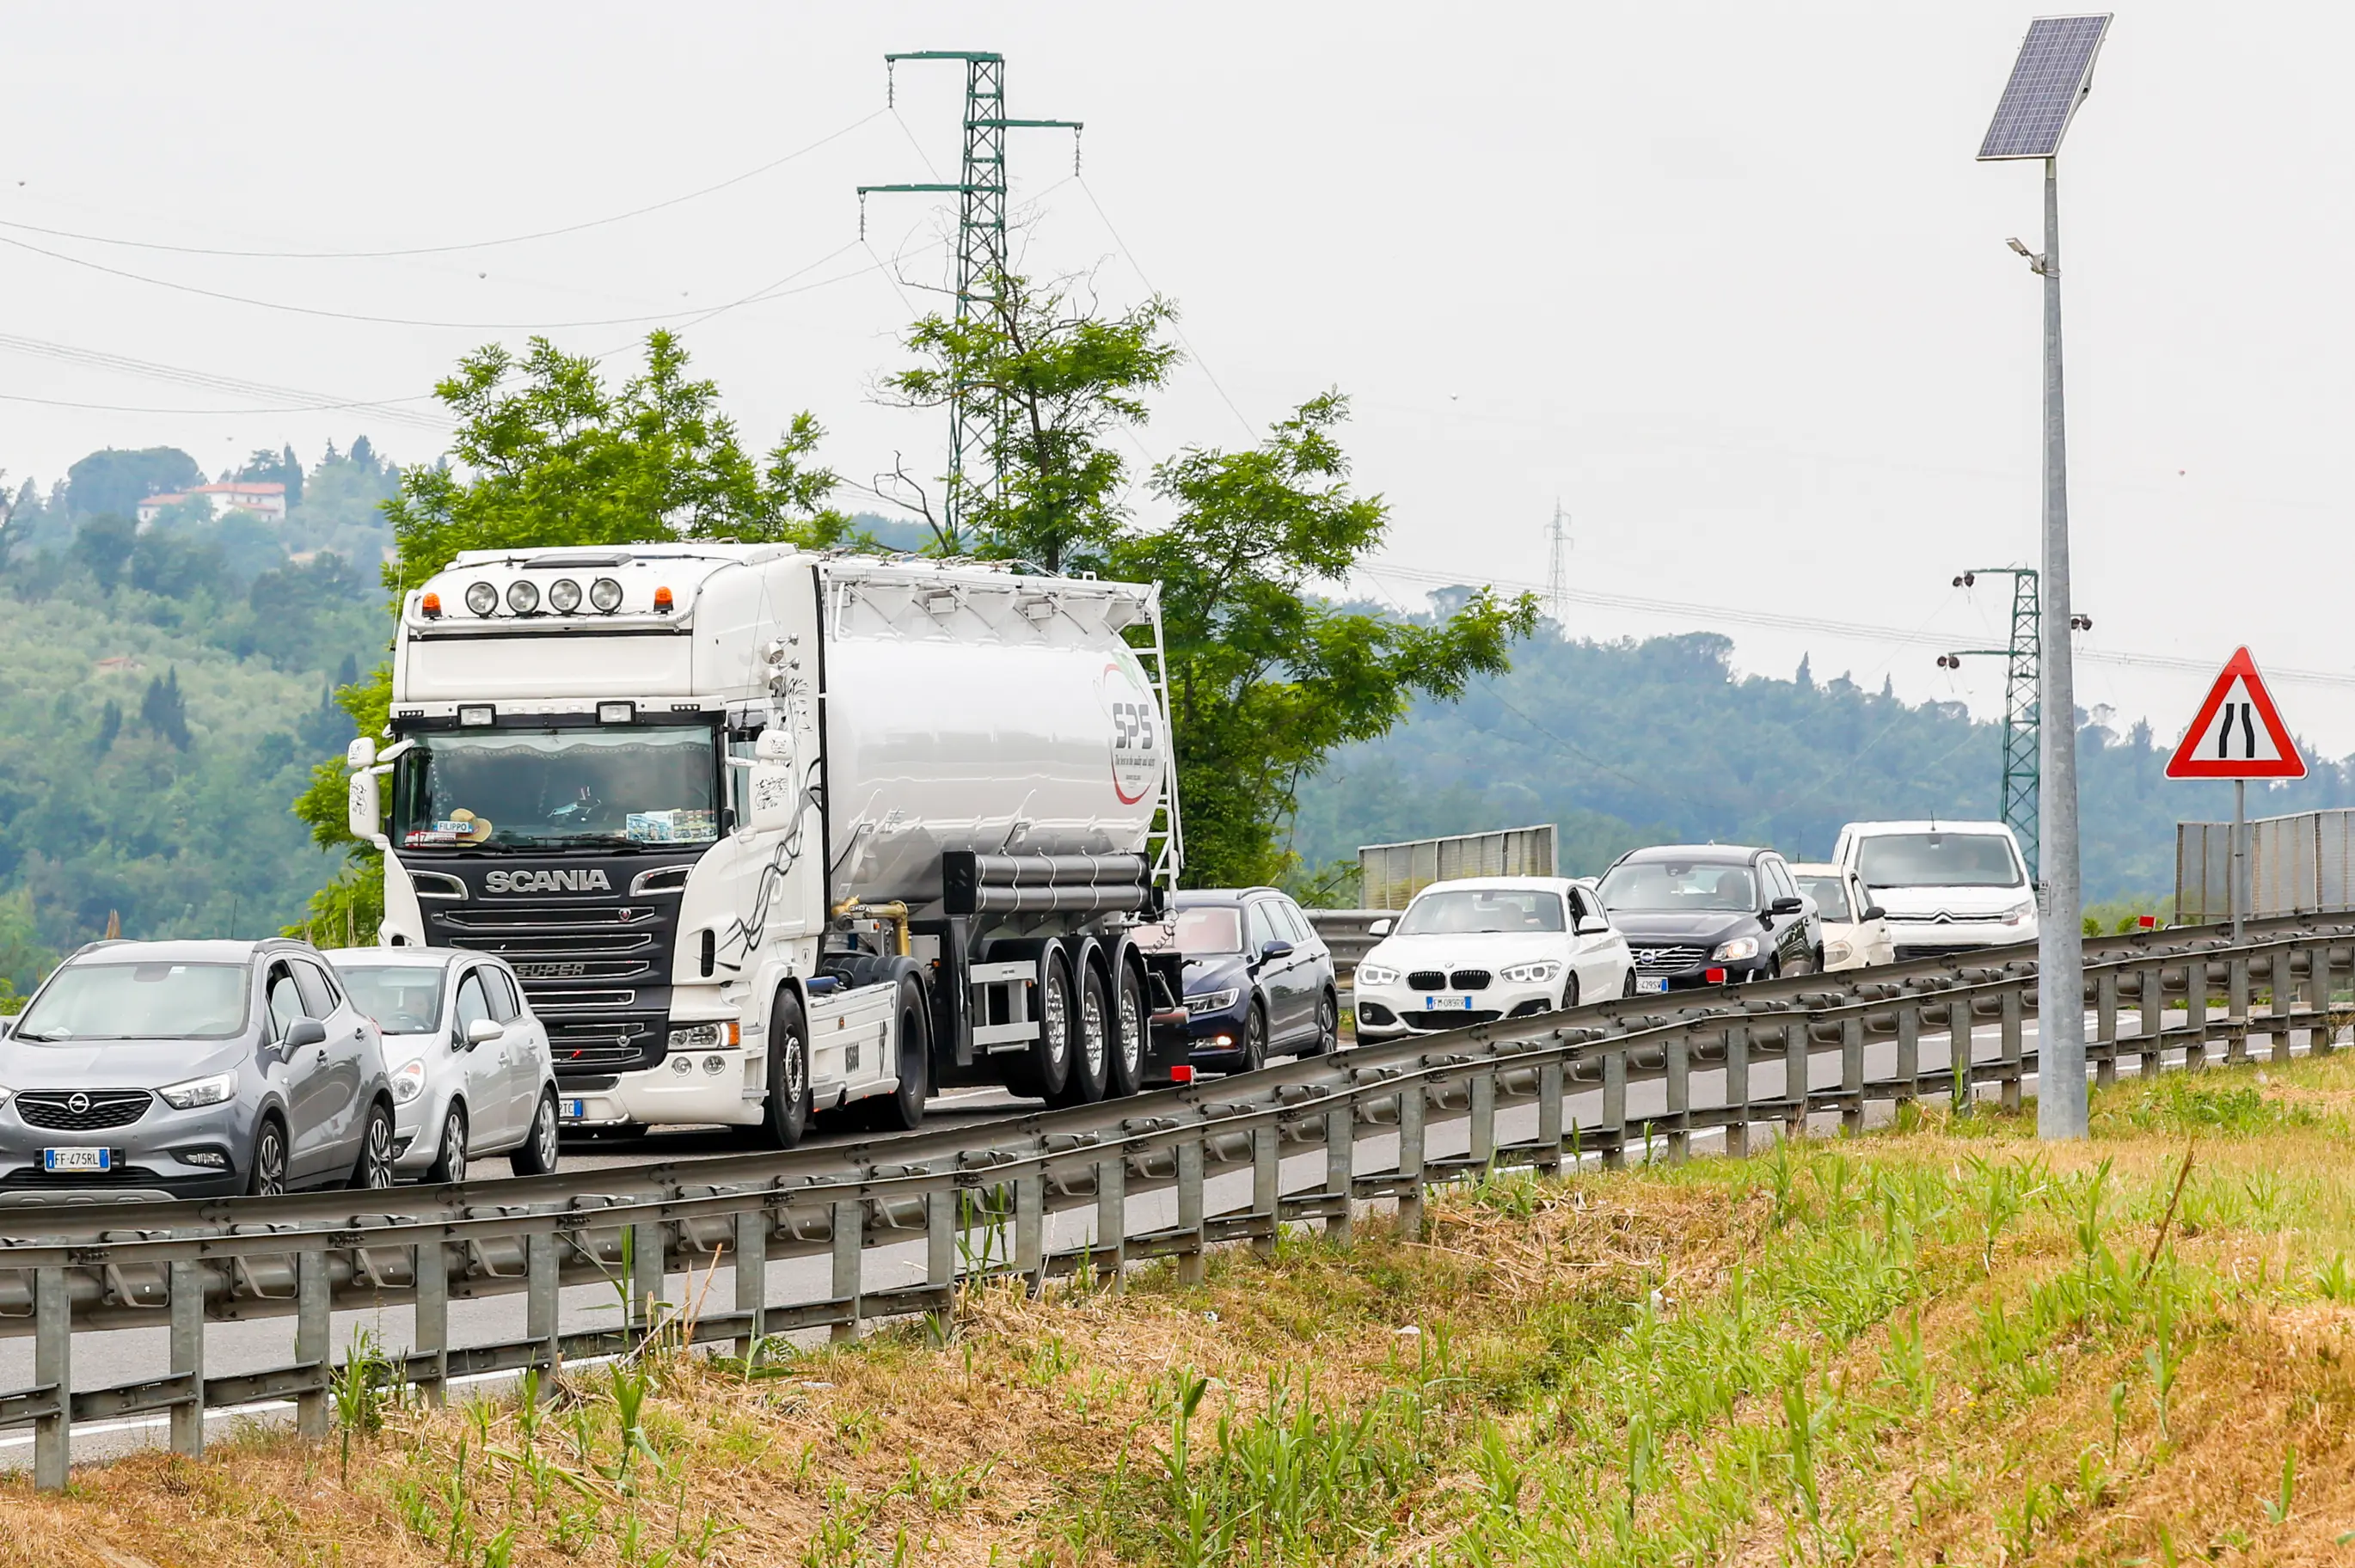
(2051,77)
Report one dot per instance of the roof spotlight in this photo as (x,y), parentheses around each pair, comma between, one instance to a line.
(481,599)
(564,597)
(523,596)
(605,594)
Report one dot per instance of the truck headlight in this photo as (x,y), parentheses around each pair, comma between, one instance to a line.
(198,1092)
(1375,975)
(1536,974)
(408,1082)
(1736,951)
(703,1037)
(1213,1001)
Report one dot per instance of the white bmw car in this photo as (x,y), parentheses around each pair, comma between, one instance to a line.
(1483,948)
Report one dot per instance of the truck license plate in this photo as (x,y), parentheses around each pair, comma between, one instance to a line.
(1651,985)
(1447,1004)
(77,1159)
(575,1110)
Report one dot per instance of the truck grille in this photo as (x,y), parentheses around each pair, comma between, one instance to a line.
(1665,960)
(73,1110)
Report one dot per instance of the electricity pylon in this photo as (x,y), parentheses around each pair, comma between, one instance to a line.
(1557,568)
(981,260)
(2022,776)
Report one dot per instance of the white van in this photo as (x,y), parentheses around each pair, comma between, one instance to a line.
(1948,886)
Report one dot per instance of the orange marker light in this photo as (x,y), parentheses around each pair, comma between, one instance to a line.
(662,600)
(432,605)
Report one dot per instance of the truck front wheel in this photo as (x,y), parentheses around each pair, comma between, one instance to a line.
(786,1109)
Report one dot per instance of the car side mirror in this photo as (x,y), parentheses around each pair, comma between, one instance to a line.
(1787,906)
(482,1031)
(1593,925)
(1874,911)
(1275,950)
(305,1031)
(1379,928)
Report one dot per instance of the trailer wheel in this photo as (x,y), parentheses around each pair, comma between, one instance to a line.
(785,1108)
(1131,1020)
(1091,1042)
(902,1110)
(1042,1071)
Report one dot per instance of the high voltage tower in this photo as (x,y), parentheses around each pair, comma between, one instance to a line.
(1557,567)
(981,259)
(2022,772)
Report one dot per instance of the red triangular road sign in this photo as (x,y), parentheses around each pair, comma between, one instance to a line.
(2239,733)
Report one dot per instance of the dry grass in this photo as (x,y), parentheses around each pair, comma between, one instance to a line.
(1943,1344)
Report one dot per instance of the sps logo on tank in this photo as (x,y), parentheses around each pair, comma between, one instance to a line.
(589,881)
(1137,735)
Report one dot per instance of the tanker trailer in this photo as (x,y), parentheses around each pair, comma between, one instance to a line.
(765,832)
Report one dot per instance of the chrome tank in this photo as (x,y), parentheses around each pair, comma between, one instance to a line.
(968,709)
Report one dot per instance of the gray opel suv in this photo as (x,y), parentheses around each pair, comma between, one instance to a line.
(191,1069)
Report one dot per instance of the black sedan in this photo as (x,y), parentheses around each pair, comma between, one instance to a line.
(1259,980)
(1710,914)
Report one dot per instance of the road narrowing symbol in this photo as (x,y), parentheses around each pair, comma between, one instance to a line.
(2239,733)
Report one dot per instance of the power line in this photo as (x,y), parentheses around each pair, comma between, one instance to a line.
(465,245)
(387,408)
(1176,326)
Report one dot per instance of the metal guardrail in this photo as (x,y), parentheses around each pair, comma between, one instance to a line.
(1389,875)
(1347,934)
(2300,864)
(180,1266)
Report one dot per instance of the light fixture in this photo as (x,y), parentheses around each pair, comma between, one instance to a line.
(564,597)
(605,594)
(617,712)
(478,715)
(432,605)
(481,599)
(662,601)
(523,596)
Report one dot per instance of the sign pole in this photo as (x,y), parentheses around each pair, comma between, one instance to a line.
(2240,855)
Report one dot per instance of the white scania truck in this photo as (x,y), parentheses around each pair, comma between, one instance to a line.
(765,832)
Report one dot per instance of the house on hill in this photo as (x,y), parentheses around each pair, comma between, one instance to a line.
(267,500)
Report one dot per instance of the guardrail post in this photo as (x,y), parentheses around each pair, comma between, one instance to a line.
(2105,1028)
(1909,1051)
(1613,1127)
(1109,1256)
(189,1356)
(53,1368)
(542,1280)
(1189,1208)
(1962,1052)
(1412,1105)
(1549,1117)
(848,1242)
(1482,1119)
(2236,1007)
(2150,1013)
(431,1275)
(1795,1074)
(2318,1041)
(312,1349)
(645,1275)
(1677,1061)
(2015,1007)
(1341,1160)
(2195,1014)
(2281,1000)
(752,1248)
(1267,1187)
(1737,1090)
(1852,1075)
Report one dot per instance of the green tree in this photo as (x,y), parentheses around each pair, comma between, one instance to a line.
(1063,382)
(1267,677)
(117,481)
(103,545)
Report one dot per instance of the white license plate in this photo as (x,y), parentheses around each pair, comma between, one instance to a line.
(575,1110)
(1447,1004)
(77,1159)
(1651,985)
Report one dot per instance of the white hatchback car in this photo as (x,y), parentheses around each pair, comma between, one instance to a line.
(1855,929)
(469,1061)
(1479,949)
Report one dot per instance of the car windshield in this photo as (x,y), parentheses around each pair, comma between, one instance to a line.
(532,788)
(1939,861)
(1662,887)
(99,1001)
(403,998)
(1469,912)
(1206,931)
(1831,899)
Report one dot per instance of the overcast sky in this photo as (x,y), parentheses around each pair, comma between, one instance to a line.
(1723,278)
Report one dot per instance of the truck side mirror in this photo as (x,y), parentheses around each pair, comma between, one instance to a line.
(361,753)
(363,810)
(776,799)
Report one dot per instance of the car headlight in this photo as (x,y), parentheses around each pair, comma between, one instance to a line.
(198,1092)
(1375,975)
(408,1082)
(1836,952)
(1213,1001)
(1736,951)
(1536,974)
(5,1092)
(2018,911)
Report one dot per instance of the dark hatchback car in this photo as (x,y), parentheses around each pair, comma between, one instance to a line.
(1710,914)
(1259,980)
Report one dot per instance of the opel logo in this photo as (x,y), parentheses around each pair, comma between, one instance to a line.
(78,1105)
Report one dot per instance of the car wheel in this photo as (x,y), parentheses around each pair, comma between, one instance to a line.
(1329,1025)
(450,1156)
(1570,994)
(373,1170)
(538,1152)
(902,1110)
(1627,988)
(1133,1020)
(267,1179)
(1254,1041)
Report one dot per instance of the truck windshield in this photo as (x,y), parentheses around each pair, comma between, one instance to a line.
(538,788)
(1938,860)
(85,1002)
